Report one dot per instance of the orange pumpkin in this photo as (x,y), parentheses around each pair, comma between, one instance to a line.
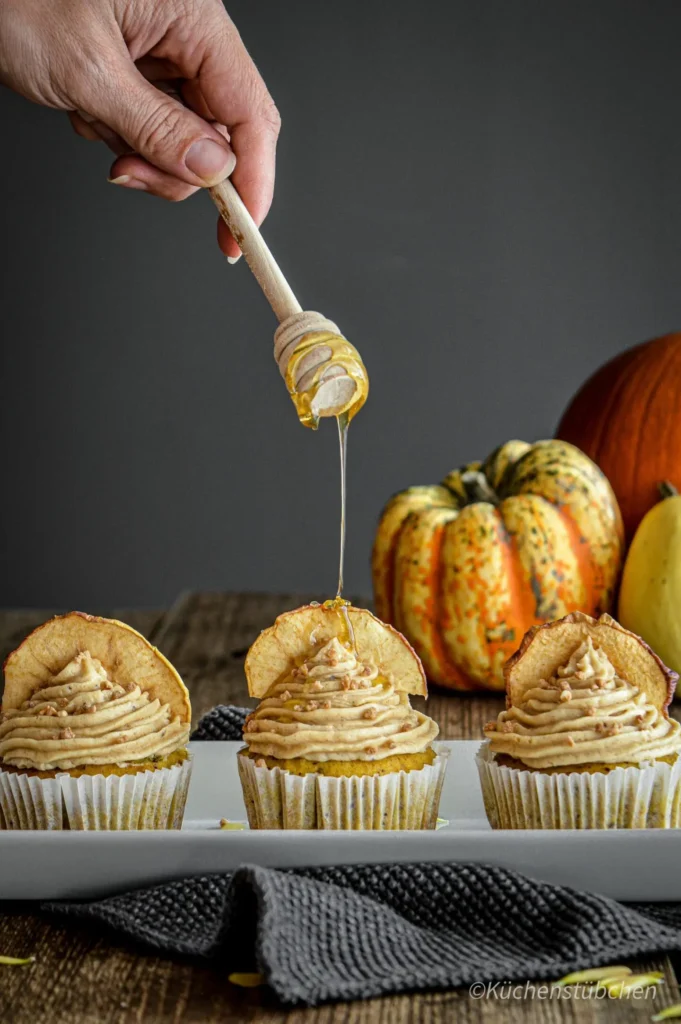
(464,568)
(627,418)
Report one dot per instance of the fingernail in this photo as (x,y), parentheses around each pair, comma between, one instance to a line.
(128,182)
(210,161)
(234,259)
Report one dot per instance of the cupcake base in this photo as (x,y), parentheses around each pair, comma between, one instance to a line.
(641,796)
(384,766)
(277,799)
(151,799)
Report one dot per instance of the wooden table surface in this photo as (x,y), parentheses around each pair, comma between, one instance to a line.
(85,977)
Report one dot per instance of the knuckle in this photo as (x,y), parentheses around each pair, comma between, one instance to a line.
(271,116)
(159,129)
(185,8)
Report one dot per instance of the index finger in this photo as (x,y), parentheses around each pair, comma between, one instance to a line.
(236,95)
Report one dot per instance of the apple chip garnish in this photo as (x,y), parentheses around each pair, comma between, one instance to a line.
(547,647)
(123,652)
(297,634)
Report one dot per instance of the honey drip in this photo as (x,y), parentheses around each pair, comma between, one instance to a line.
(338,358)
(343,446)
(346,634)
(344,360)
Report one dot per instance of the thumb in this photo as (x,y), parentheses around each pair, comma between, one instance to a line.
(163,131)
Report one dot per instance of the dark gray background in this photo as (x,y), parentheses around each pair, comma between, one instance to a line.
(484,195)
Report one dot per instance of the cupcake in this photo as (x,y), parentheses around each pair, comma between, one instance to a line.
(93,730)
(585,740)
(334,742)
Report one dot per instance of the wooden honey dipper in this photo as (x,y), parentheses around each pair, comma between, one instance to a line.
(323,371)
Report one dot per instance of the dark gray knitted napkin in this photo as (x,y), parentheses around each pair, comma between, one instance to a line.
(354,932)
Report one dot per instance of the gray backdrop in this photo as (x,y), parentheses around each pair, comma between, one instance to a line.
(484,195)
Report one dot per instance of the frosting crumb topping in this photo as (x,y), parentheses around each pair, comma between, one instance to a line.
(585,714)
(335,707)
(82,717)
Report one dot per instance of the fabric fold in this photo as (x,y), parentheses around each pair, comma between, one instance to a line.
(356,932)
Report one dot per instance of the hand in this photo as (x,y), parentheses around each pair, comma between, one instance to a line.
(119,67)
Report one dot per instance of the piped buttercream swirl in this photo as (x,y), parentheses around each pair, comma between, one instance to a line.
(335,707)
(586,714)
(81,717)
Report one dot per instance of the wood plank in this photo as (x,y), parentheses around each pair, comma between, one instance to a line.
(83,976)
(460,716)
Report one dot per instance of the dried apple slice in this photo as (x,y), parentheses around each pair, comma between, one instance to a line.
(295,635)
(124,653)
(545,648)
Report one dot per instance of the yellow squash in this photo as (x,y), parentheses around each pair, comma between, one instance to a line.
(650,595)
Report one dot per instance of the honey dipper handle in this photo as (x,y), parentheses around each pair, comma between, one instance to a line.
(256,253)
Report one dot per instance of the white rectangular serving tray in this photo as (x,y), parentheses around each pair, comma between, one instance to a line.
(626,865)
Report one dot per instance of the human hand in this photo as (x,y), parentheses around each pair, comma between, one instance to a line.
(119,67)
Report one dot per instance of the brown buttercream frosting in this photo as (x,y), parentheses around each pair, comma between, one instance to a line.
(335,707)
(585,714)
(81,717)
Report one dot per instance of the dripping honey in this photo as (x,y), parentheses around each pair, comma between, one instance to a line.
(343,354)
(346,634)
(343,446)
(346,356)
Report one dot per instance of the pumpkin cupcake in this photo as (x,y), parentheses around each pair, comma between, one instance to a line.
(93,730)
(586,740)
(334,742)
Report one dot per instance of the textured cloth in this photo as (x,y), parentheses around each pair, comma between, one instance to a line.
(222,723)
(354,932)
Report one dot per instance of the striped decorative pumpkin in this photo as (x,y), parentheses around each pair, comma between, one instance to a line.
(464,568)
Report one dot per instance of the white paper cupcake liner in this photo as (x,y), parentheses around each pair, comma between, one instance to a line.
(645,796)
(276,799)
(143,800)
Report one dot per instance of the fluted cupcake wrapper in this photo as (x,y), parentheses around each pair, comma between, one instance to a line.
(143,800)
(643,796)
(277,799)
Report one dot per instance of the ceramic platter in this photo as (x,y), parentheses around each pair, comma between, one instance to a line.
(627,865)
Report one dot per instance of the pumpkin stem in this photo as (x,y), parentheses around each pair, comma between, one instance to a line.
(667,490)
(478,487)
